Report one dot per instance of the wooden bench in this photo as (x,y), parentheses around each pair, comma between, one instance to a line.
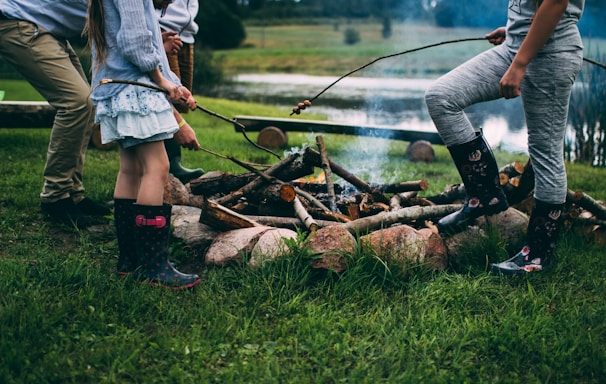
(273,131)
(37,114)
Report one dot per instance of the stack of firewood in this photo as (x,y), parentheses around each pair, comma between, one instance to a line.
(332,216)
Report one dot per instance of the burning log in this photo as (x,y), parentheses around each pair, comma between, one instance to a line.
(314,158)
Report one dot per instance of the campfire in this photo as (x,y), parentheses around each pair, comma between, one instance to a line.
(247,217)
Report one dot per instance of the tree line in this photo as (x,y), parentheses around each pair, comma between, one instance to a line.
(222,21)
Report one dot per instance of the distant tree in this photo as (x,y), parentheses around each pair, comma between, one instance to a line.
(386,31)
(220,28)
(351,36)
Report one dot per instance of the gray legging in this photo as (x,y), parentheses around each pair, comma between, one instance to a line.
(545,95)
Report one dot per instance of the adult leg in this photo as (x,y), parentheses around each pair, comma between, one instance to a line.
(475,81)
(51,66)
(546,94)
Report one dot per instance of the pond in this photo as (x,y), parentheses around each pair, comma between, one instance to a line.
(396,102)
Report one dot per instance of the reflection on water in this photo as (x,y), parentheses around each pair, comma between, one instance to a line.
(378,101)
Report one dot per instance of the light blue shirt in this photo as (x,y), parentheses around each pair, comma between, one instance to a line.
(134,44)
(62,18)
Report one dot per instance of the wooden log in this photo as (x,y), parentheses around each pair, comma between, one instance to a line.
(272,137)
(217,216)
(293,223)
(257,182)
(304,216)
(279,192)
(26,114)
(589,203)
(404,215)
(452,193)
(327,173)
(420,150)
(405,186)
(215,182)
(520,187)
(512,169)
(400,200)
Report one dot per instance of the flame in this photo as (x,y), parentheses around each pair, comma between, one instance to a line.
(320,179)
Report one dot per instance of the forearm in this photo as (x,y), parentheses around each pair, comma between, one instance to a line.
(545,21)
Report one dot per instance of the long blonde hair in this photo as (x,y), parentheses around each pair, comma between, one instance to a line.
(95,29)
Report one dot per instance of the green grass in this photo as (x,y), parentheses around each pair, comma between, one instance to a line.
(66,317)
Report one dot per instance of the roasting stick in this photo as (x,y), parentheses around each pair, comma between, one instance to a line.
(198,106)
(307,103)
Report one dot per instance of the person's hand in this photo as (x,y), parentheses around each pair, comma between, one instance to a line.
(497,36)
(511,81)
(187,98)
(186,137)
(172,43)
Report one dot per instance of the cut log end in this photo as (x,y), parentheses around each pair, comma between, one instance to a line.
(272,137)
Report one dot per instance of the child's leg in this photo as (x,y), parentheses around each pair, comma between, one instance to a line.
(129,175)
(154,167)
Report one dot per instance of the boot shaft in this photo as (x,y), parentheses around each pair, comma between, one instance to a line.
(152,230)
(476,165)
(543,230)
(125,233)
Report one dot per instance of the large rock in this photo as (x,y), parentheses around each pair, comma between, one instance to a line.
(271,245)
(331,244)
(187,228)
(231,246)
(510,225)
(175,192)
(408,246)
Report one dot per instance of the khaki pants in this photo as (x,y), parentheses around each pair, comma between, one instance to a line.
(54,70)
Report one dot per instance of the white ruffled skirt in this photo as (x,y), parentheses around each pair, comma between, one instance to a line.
(136,115)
